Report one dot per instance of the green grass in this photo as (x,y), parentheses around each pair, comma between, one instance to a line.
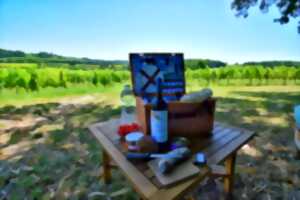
(19,65)
(20,97)
(63,155)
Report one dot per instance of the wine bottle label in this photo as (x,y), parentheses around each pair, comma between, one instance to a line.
(159,125)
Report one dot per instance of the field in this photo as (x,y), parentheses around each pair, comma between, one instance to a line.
(47,153)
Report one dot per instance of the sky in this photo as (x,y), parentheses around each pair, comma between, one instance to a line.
(110,29)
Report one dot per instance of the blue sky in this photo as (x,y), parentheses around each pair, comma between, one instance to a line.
(110,29)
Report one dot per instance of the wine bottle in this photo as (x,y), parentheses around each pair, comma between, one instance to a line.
(159,119)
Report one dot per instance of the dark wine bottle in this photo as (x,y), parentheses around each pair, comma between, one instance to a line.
(159,119)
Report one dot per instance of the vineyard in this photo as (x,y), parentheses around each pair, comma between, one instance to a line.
(48,153)
(31,77)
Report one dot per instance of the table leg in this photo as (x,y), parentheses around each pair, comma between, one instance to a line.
(229,180)
(106,167)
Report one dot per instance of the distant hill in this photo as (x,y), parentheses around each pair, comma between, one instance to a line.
(45,57)
(10,56)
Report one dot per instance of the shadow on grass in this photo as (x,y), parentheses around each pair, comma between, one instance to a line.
(270,115)
(58,158)
(288,97)
(268,104)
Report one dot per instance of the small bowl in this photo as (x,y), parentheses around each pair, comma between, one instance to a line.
(132,140)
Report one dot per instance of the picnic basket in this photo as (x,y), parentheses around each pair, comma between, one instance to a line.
(187,119)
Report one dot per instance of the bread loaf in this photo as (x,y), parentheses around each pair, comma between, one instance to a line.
(197,96)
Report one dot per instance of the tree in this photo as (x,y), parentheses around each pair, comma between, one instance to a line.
(115,77)
(201,65)
(229,74)
(205,74)
(33,83)
(288,8)
(267,75)
(248,75)
(297,74)
(21,83)
(213,75)
(292,74)
(95,79)
(62,81)
(261,71)
(6,53)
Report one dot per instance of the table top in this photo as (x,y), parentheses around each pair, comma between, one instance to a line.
(224,141)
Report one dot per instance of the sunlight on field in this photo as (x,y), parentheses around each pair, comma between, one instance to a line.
(19,98)
(228,90)
(110,94)
(19,65)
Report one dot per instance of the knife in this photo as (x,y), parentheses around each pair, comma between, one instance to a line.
(131,155)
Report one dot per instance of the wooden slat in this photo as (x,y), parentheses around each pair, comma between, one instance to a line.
(109,129)
(178,191)
(142,165)
(156,182)
(140,182)
(231,147)
(219,144)
(201,144)
(179,174)
(149,173)
(218,170)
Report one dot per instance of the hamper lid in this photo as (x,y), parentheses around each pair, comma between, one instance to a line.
(147,68)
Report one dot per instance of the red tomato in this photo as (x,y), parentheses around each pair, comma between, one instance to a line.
(127,128)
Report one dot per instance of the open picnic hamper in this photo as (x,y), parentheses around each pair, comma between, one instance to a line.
(187,119)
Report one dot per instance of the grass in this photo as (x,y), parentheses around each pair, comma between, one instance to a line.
(56,157)
(19,97)
(18,65)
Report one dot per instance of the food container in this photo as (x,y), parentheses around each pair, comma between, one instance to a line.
(187,119)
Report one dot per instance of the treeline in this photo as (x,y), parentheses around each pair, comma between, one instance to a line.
(274,63)
(45,58)
(54,60)
(8,56)
(203,63)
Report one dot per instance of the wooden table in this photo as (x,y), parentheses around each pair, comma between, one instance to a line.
(221,146)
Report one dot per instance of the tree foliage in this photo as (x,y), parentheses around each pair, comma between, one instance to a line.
(33,85)
(287,8)
(203,63)
(274,63)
